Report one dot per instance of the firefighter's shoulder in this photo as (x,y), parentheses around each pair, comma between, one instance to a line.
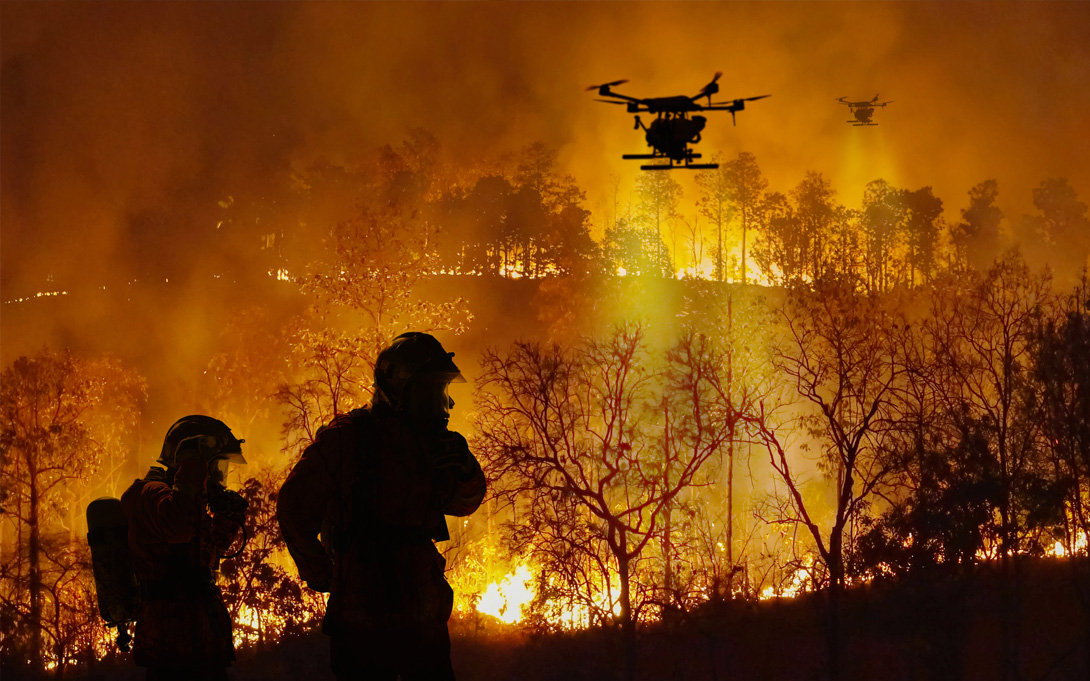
(343,427)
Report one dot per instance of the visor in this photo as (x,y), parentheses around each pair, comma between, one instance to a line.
(233,457)
(447,377)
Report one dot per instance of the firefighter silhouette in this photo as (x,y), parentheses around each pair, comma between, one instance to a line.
(181,520)
(362,509)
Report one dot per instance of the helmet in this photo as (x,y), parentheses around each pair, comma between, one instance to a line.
(413,356)
(217,435)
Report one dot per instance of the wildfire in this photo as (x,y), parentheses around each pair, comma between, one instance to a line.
(791,587)
(1059,550)
(506,599)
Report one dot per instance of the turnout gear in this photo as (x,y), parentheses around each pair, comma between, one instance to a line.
(176,545)
(360,513)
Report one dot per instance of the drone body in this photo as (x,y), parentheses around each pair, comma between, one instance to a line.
(674,128)
(862,110)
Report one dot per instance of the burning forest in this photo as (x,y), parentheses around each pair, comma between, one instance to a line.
(820,411)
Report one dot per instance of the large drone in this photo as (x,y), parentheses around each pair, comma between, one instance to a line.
(673,129)
(862,110)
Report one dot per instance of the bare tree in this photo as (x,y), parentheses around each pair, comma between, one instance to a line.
(840,356)
(983,340)
(592,455)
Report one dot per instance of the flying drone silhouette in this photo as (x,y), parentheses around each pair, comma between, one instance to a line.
(674,128)
(862,110)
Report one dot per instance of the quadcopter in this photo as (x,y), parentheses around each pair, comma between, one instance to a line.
(674,128)
(862,110)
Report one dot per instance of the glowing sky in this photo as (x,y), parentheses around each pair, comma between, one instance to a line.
(111,110)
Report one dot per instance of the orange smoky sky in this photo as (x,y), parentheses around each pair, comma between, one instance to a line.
(123,122)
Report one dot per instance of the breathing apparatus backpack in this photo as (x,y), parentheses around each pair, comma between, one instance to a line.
(115,579)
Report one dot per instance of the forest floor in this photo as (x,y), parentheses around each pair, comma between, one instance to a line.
(940,629)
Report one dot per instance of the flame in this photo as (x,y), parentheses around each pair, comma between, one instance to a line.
(792,587)
(508,598)
(1060,551)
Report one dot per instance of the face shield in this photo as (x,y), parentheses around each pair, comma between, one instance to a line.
(218,469)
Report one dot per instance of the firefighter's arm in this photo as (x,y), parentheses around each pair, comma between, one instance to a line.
(300,510)
(461,481)
(173,514)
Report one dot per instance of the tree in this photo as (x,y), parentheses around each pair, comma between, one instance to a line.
(845,256)
(1062,227)
(778,250)
(883,221)
(636,250)
(659,195)
(51,443)
(745,186)
(922,227)
(976,237)
(582,443)
(983,337)
(1060,348)
(713,204)
(815,209)
(841,355)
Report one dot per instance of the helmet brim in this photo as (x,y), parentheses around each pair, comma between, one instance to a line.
(233,457)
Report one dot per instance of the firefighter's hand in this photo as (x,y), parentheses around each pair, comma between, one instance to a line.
(452,453)
(225,533)
(323,581)
(227,502)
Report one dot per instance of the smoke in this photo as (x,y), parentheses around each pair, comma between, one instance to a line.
(125,124)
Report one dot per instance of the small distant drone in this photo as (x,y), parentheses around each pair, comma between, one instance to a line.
(862,110)
(673,130)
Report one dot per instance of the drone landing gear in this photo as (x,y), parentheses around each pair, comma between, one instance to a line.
(672,164)
(687,166)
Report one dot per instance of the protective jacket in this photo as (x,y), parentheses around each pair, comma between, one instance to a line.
(175,546)
(360,512)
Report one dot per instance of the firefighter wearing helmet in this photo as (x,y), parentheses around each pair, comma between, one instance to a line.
(181,521)
(363,508)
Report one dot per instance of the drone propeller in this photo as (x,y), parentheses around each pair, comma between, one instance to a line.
(711,88)
(607,85)
(738,102)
